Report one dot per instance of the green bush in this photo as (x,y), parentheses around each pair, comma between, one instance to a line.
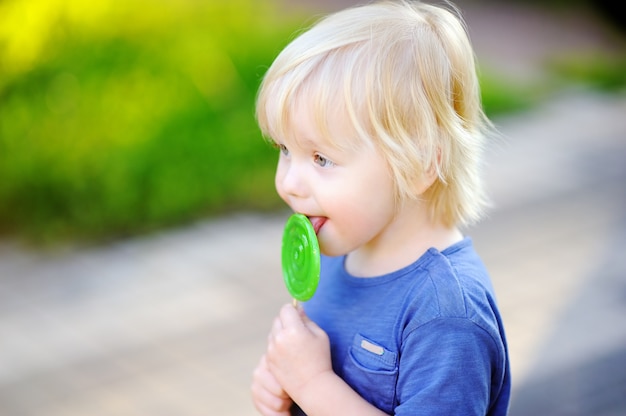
(604,72)
(500,96)
(122,117)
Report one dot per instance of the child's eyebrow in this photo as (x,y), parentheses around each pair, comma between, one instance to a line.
(302,142)
(308,142)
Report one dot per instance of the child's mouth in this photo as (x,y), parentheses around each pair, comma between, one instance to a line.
(317,223)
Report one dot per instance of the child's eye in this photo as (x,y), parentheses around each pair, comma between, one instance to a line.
(322,161)
(282,148)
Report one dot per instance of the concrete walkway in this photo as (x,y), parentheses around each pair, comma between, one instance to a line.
(172,324)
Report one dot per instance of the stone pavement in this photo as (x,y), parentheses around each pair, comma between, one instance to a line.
(173,323)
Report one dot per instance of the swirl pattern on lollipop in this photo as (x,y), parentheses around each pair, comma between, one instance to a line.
(300,258)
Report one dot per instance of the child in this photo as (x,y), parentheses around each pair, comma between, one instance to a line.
(376,113)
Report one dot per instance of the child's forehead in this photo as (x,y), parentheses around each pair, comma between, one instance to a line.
(309,123)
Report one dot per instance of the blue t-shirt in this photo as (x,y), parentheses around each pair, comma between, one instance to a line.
(427,339)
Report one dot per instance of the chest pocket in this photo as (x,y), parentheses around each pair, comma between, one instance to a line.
(372,371)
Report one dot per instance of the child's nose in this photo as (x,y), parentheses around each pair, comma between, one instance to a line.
(292,182)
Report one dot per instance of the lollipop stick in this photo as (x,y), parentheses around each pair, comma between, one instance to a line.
(294,302)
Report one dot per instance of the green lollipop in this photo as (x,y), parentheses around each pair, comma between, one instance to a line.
(300,258)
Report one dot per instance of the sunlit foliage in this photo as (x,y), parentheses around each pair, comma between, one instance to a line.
(121,117)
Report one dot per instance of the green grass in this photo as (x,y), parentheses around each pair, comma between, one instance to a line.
(604,72)
(117,121)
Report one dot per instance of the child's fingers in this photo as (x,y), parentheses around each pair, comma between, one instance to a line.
(296,318)
(268,396)
(269,381)
(291,316)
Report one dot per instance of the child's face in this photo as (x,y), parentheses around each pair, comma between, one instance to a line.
(347,194)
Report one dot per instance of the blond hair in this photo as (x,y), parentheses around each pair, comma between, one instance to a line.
(404,73)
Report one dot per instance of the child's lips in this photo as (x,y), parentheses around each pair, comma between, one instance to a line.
(317,223)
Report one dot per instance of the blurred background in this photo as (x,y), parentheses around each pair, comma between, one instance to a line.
(140,230)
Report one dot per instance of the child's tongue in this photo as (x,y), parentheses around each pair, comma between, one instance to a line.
(317,223)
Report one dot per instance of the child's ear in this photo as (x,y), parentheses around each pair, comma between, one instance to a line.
(430,174)
(428,178)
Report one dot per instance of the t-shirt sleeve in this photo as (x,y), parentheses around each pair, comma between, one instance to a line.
(447,367)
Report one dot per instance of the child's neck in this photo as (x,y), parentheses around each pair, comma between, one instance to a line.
(403,241)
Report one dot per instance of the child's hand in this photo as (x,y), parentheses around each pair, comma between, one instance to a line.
(298,350)
(267,395)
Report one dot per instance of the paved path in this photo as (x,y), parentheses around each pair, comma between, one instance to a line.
(172,324)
